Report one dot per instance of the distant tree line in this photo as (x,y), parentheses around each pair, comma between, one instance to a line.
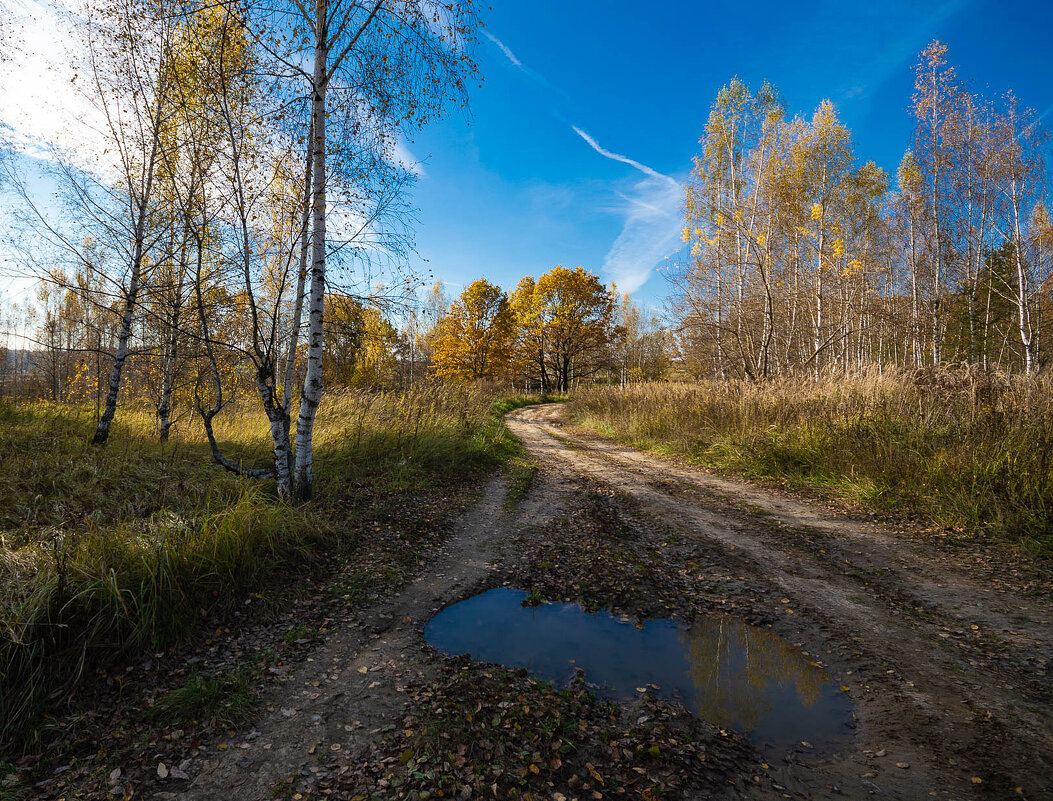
(804,260)
(550,335)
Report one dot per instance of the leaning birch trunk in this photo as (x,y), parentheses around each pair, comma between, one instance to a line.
(102,431)
(164,406)
(311,395)
(209,414)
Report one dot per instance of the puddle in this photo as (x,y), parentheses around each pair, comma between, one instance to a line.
(730,674)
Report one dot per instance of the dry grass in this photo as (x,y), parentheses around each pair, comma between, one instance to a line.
(966,451)
(111,551)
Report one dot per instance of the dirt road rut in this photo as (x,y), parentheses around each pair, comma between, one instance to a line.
(948,671)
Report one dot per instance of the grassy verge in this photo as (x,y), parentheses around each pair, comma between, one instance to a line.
(519,464)
(967,452)
(106,553)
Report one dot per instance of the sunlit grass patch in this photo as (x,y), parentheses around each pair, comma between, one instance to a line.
(110,551)
(965,451)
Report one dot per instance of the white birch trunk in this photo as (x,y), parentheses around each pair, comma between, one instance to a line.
(311,395)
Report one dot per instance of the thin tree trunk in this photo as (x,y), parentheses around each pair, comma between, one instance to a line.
(1023,310)
(102,430)
(164,407)
(301,276)
(311,394)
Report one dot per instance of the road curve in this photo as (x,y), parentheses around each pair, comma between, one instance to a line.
(947,670)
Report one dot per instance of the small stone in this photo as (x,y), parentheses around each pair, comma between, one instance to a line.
(162,770)
(903,765)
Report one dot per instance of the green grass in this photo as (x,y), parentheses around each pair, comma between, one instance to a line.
(962,451)
(221,701)
(107,552)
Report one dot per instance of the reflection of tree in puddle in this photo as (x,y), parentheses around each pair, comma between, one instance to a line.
(732,665)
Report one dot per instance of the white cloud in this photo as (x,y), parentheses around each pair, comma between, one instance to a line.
(46,102)
(504,48)
(650,231)
(652,222)
(402,156)
(41,105)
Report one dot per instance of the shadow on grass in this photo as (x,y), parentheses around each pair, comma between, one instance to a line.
(107,552)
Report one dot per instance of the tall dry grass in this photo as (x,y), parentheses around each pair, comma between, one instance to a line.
(963,450)
(111,551)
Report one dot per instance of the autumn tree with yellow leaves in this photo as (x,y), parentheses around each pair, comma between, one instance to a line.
(361,345)
(803,261)
(565,324)
(474,339)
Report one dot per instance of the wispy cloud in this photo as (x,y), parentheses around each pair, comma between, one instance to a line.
(401,155)
(623,159)
(504,48)
(651,224)
(650,231)
(650,208)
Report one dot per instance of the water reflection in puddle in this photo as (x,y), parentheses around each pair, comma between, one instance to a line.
(727,672)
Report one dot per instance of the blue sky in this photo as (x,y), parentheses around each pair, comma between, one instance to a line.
(573,150)
(513,189)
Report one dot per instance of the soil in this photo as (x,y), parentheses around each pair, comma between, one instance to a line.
(946,664)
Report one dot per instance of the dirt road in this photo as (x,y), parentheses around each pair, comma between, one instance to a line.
(947,670)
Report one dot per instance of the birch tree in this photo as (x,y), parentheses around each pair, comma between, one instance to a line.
(935,88)
(376,68)
(128,47)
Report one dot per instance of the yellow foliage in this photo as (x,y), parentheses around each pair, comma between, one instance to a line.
(475,338)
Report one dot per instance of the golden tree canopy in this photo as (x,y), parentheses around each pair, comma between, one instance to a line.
(475,338)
